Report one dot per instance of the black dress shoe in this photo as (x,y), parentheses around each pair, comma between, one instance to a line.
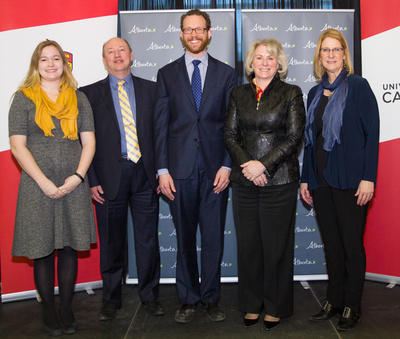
(69,325)
(70,328)
(185,314)
(53,331)
(51,323)
(348,320)
(108,311)
(270,324)
(153,308)
(327,311)
(215,313)
(250,322)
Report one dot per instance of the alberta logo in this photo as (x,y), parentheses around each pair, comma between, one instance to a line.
(295,62)
(295,28)
(140,64)
(219,28)
(339,28)
(310,44)
(260,28)
(136,29)
(288,45)
(313,245)
(310,78)
(305,229)
(69,57)
(154,46)
(300,262)
(172,29)
(226,264)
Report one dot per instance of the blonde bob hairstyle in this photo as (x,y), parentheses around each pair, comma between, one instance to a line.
(319,70)
(33,76)
(274,47)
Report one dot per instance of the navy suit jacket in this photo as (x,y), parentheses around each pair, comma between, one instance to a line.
(179,130)
(106,167)
(356,157)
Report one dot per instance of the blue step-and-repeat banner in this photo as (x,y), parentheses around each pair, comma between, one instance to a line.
(154,37)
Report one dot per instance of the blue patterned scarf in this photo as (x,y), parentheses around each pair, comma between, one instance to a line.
(333,115)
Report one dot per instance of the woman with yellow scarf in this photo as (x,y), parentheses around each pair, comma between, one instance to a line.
(52,137)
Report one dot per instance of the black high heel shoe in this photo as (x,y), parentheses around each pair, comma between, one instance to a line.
(250,322)
(270,324)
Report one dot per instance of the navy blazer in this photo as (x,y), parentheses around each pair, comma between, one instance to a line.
(179,130)
(356,157)
(106,167)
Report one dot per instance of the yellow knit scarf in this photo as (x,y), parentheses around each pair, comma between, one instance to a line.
(65,109)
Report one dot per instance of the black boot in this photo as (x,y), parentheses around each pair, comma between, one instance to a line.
(327,311)
(348,320)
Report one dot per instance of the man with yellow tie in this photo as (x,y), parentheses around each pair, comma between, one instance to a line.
(122,174)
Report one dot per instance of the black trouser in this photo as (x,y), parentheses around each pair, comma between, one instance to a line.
(264,220)
(135,191)
(341,224)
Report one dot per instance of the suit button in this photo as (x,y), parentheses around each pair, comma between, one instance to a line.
(196,140)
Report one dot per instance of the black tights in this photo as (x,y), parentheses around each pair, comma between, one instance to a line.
(43,269)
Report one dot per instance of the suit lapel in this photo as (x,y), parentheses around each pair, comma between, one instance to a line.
(211,76)
(109,103)
(139,95)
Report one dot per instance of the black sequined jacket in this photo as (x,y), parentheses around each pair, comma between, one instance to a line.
(270,130)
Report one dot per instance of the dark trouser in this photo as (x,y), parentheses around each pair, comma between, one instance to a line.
(136,191)
(264,220)
(196,204)
(341,224)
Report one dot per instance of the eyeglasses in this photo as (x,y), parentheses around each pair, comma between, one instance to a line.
(335,50)
(198,30)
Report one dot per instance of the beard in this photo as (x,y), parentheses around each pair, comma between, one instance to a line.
(200,48)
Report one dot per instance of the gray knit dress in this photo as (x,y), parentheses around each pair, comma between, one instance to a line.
(43,224)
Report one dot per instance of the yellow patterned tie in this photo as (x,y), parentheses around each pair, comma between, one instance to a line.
(132,142)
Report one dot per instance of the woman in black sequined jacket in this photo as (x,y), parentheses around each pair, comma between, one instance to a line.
(263,133)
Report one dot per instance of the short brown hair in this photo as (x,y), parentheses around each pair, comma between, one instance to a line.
(199,13)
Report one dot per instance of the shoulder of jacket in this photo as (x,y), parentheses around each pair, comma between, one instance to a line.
(219,63)
(94,85)
(172,64)
(143,81)
(241,88)
(355,79)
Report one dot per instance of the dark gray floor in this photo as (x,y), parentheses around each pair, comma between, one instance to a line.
(380,318)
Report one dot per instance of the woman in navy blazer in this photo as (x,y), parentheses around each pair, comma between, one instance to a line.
(339,172)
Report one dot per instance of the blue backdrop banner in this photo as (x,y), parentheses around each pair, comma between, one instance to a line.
(298,31)
(154,37)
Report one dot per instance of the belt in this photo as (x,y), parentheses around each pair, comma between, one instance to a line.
(125,157)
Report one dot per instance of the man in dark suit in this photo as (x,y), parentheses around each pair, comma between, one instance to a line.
(122,174)
(192,162)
